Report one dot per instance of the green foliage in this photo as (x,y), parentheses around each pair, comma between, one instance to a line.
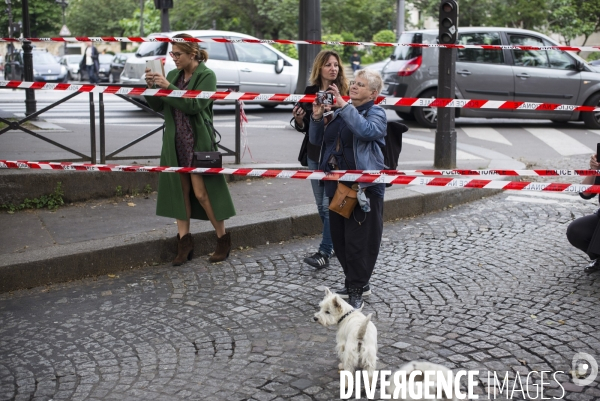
(98,17)
(118,191)
(386,36)
(361,17)
(45,17)
(593,56)
(337,48)
(288,50)
(51,201)
(148,189)
(131,26)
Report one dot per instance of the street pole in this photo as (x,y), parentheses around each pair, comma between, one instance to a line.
(163,6)
(400,22)
(310,29)
(142,18)
(63,4)
(444,156)
(30,104)
(9,47)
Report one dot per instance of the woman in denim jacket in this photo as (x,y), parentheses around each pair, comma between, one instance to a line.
(353,141)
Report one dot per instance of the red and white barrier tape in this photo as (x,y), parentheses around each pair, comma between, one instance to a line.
(135,39)
(291,98)
(315,175)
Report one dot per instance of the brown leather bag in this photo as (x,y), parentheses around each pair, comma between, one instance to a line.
(344,200)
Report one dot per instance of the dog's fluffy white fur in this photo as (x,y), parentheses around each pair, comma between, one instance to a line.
(423,367)
(356,335)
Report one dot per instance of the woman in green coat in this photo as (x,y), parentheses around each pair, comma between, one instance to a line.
(185,196)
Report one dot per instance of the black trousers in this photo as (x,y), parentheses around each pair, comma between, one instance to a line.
(356,245)
(583,233)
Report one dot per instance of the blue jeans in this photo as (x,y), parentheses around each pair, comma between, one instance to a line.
(91,70)
(322,201)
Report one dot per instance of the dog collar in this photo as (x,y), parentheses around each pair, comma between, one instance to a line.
(343,317)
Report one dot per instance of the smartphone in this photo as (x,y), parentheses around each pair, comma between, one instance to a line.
(324,98)
(597,150)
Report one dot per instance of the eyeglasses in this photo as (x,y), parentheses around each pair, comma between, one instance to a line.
(176,54)
(359,84)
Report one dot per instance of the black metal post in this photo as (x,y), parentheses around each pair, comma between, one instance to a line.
(30,104)
(310,29)
(444,156)
(164,20)
(102,130)
(238,121)
(92,129)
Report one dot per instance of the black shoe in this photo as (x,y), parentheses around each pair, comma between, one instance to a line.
(355,298)
(318,260)
(593,267)
(343,293)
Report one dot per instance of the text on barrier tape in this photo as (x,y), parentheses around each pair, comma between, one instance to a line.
(135,39)
(316,175)
(291,98)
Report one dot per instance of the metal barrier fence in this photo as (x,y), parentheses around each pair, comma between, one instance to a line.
(104,157)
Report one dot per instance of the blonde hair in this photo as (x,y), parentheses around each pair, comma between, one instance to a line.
(191,47)
(315,76)
(373,79)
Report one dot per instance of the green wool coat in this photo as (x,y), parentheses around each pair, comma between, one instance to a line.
(170,193)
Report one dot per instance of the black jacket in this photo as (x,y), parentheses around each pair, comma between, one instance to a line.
(314,151)
(95,59)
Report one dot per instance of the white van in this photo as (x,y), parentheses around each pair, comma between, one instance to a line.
(244,67)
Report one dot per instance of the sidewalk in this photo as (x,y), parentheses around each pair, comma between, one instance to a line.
(107,235)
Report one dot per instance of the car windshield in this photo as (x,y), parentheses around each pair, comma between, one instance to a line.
(43,58)
(106,58)
(148,49)
(405,52)
(74,59)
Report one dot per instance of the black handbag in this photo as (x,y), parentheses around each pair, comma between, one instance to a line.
(212,159)
(303,155)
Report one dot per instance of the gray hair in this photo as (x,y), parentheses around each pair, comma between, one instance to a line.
(373,79)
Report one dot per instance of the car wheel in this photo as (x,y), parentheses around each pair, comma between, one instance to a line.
(405,116)
(426,116)
(268,105)
(592,119)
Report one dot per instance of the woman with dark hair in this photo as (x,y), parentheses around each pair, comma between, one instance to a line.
(327,69)
(188,128)
(353,140)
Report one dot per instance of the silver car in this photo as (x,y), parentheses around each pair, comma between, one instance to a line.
(245,67)
(546,76)
(71,62)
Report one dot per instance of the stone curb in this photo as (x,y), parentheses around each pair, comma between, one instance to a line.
(111,255)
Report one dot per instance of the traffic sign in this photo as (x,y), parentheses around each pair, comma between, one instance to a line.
(64,31)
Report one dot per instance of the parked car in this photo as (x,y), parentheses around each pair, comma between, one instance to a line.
(103,72)
(45,67)
(116,66)
(246,67)
(548,76)
(71,62)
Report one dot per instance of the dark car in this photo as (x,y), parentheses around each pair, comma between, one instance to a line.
(45,67)
(103,72)
(116,66)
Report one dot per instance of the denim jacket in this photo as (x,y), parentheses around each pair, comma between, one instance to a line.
(368,135)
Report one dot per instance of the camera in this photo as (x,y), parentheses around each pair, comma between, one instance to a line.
(324,98)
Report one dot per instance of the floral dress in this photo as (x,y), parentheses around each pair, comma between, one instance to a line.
(184,136)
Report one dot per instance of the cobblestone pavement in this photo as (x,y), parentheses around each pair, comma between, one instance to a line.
(492,285)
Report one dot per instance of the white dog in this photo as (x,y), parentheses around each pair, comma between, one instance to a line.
(356,335)
(422,367)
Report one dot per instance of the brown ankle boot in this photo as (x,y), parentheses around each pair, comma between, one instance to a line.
(223,249)
(185,249)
